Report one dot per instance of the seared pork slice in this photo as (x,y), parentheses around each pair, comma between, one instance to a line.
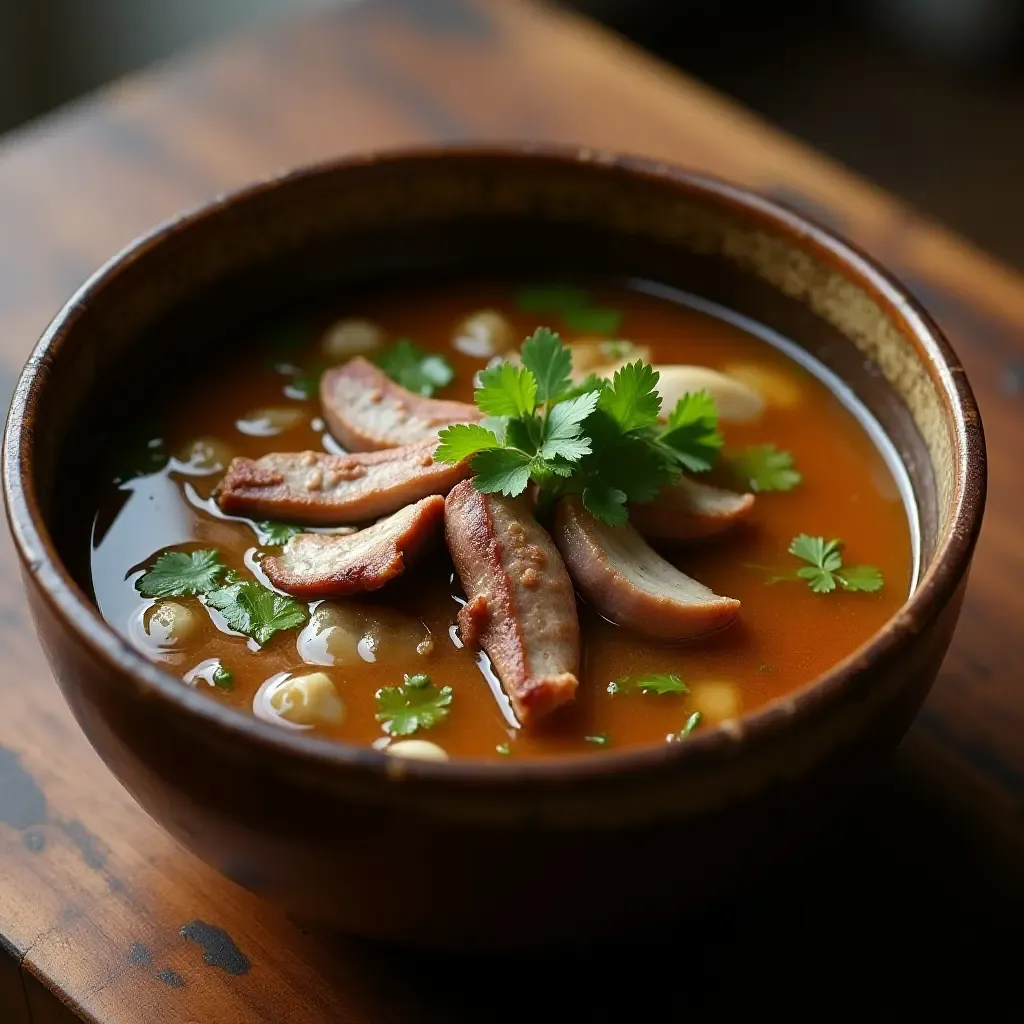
(520,604)
(630,583)
(687,510)
(313,565)
(366,410)
(314,487)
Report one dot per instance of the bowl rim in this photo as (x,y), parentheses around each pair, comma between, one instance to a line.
(937,585)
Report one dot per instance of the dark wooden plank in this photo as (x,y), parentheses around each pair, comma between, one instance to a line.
(920,879)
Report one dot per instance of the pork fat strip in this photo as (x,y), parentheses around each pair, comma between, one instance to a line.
(630,583)
(313,565)
(520,604)
(328,490)
(687,510)
(366,410)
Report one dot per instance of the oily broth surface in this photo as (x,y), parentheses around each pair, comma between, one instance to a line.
(785,637)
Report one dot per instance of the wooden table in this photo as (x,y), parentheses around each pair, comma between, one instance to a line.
(911,899)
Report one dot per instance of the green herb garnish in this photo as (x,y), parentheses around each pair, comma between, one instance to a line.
(416,704)
(273,534)
(656,683)
(222,678)
(304,383)
(600,439)
(504,749)
(825,571)
(573,305)
(691,723)
(180,574)
(416,370)
(765,468)
(600,739)
(252,609)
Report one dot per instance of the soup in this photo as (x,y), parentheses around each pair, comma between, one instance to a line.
(458,623)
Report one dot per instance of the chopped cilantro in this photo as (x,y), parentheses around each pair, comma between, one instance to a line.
(600,439)
(656,683)
(573,305)
(416,370)
(592,320)
(504,749)
(252,609)
(600,739)
(691,723)
(825,571)
(274,534)
(416,704)
(765,468)
(222,678)
(304,383)
(180,574)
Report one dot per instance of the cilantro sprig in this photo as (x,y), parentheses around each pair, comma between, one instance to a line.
(573,305)
(763,467)
(825,571)
(416,704)
(275,534)
(417,371)
(659,683)
(601,438)
(181,574)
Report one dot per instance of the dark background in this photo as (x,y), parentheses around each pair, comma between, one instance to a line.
(926,97)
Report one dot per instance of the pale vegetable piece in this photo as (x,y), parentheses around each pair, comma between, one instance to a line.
(170,624)
(347,632)
(629,583)
(736,401)
(269,422)
(205,455)
(351,337)
(308,700)
(717,701)
(603,357)
(417,750)
(778,390)
(484,334)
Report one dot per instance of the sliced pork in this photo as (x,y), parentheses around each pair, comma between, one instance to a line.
(314,487)
(366,410)
(630,583)
(687,510)
(736,401)
(520,605)
(315,566)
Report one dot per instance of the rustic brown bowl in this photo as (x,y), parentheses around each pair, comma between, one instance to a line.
(514,853)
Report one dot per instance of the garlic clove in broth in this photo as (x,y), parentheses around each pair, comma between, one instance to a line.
(736,400)
(204,455)
(269,422)
(417,750)
(308,700)
(347,631)
(484,334)
(351,336)
(169,624)
(778,390)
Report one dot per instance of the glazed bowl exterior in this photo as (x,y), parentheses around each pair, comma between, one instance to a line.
(529,853)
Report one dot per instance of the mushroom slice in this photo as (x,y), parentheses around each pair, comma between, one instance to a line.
(366,410)
(313,565)
(630,583)
(687,510)
(314,487)
(520,604)
(736,401)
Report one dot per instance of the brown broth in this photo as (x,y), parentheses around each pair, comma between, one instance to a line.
(786,635)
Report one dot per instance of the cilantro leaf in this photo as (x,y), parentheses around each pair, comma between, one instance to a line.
(274,534)
(462,440)
(252,609)
(222,678)
(504,749)
(549,361)
(506,390)
(563,428)
(590,383)
(607,504)
(552,299)
(600,739)
(179,574)
(592,320)
(504,470)
(658,683)
(416,370)
(691,433)
(304,383)
(691,723)
(633,400)
(825,571)
(416,704)
(765,468)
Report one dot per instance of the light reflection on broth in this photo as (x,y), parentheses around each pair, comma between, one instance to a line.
(853,488)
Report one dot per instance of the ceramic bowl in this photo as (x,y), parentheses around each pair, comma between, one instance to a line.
(518,853)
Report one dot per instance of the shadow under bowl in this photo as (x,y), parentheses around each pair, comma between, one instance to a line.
(519,853)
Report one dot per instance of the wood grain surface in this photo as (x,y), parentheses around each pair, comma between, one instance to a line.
(912,899)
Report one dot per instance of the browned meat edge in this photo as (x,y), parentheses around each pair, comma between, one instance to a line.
(687,510)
